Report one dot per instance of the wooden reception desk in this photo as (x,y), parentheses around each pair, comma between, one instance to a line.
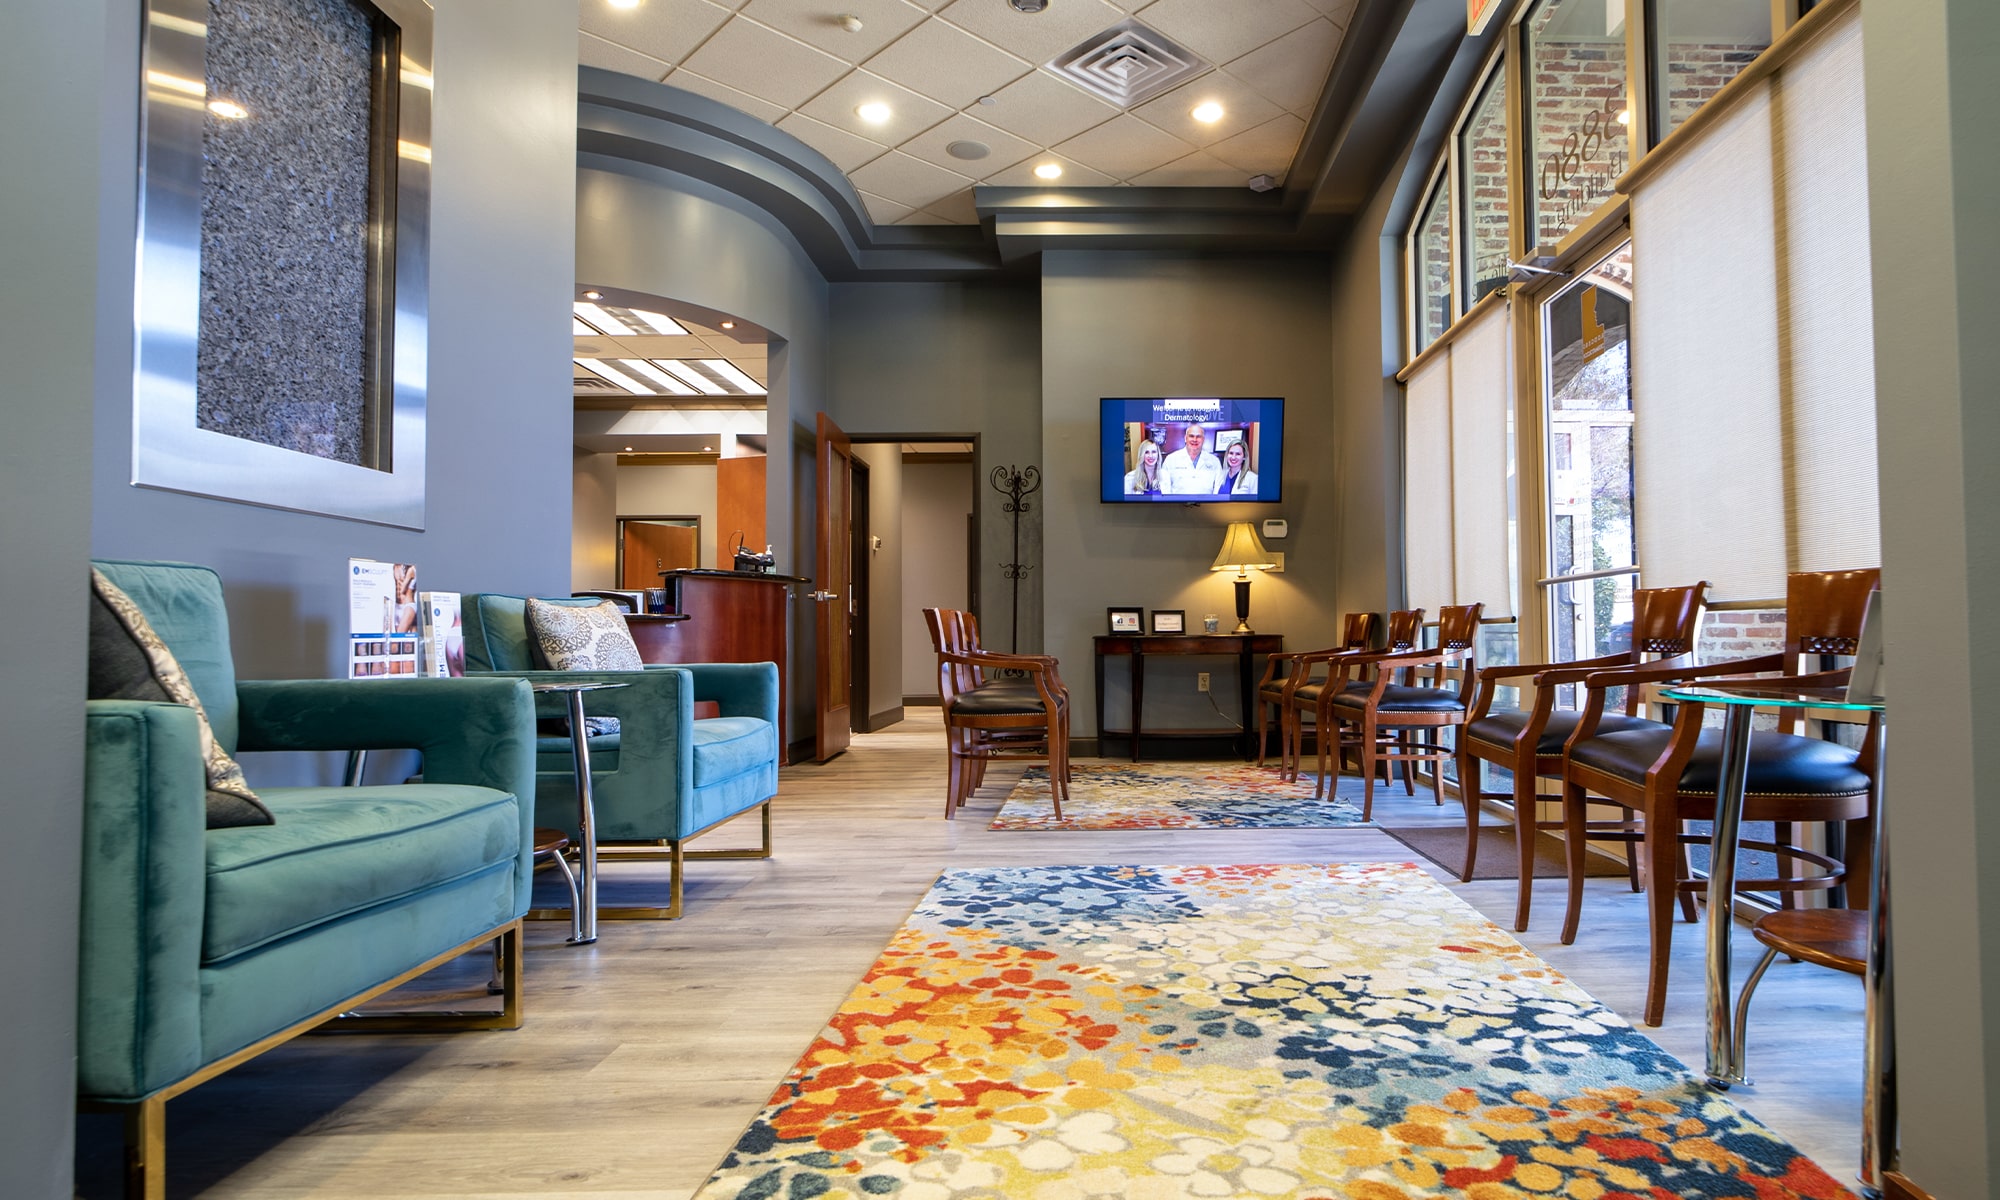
(721,616)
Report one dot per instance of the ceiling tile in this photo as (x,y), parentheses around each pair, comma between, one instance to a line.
(1340,12)
(1242,109)
(817,23)
(955,209)
(1037,37)
(1220,32)
(1005,149)
(1292,71)
(596,52)
(764,63)
(884,212)
(763,110)
(1123,147)
(948,64)
(1200,169)
(1265,150)
(1044,109)
(668,30)
(910,114)
(1075,174)
(926,217)
(907,180)
(841,148)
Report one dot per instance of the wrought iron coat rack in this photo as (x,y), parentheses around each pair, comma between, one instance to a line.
(1017,486)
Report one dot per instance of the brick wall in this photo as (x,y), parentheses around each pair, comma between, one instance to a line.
(1697,70)
(1483,166)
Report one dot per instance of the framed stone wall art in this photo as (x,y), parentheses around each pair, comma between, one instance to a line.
(283,246)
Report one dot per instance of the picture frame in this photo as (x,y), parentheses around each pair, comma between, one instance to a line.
(1126,620)
(1169,620)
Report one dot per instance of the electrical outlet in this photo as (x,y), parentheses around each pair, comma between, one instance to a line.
(1201,681)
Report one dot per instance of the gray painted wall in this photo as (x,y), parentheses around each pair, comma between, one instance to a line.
(677,491)
(49,268)
(934,571)
(1164,325)
(1932,70)
(915,358)
(593,521)
(497,512)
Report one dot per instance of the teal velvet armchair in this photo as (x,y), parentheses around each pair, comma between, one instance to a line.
(204,947)
(665,776)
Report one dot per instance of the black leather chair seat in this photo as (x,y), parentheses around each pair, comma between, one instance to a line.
(1501,728)
(1781,764)
(997,700)
(1396,698)
(1311,691)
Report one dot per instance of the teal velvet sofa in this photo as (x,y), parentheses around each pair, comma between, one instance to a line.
(664,777)
(203,947)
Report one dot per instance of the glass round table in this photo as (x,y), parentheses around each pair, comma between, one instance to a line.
(1740,703)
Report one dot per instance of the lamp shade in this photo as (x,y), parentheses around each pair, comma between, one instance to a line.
(1242,550)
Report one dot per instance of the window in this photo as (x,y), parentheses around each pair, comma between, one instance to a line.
(1587,381)
(1577,118)
(1698,46)
(1482,174)
(1431,266)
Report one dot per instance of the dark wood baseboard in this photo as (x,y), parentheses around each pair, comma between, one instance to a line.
(1897,1186)
(800,752)
(884,719)
(923,702)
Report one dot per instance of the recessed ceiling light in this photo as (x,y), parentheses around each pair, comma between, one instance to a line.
(708,449)
(687,374)
(874,112)
(660,322)
(593,295)
(642,367)
(228,109)
(616,376)
(1208,112)
(729,324)
(628,448)
(623,3)
(602,321)
(1049,171)
(729,370)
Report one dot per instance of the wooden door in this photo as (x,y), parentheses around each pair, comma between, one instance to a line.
(833,598)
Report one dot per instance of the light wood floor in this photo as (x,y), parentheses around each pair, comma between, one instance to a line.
(644,1056)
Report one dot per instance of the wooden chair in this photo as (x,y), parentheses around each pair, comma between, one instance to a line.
(987,716)
(1274,691)
(1528,742)
(1425,701)
(1667,776)
(1310,691)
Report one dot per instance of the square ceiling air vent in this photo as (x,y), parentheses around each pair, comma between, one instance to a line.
(1128,64)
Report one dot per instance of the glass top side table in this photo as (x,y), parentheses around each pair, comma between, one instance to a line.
(1725,1052)
(583,926)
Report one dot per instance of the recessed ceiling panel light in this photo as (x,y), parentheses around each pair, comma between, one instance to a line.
(579,329)
(1049,171)
(643,367)
(1208,112)
(874,112)
(729,370)
(606,371)
(602,321)
(687,374)
(660,322)
(228,109)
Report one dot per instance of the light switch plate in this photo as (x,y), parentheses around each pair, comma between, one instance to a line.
(1277,527)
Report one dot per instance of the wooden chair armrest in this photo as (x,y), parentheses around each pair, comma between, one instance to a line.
(1669,670)
(1555,676)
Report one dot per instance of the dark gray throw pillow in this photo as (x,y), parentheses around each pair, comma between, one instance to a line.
(128,661)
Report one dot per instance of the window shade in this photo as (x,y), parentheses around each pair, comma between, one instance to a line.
(1753,350)
(1456,533)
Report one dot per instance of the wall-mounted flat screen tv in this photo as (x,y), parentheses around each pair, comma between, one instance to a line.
(1184,450)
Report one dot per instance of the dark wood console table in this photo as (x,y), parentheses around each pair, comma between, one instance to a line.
(1245,647)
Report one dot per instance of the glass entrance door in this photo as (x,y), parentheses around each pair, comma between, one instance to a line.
(1587,413)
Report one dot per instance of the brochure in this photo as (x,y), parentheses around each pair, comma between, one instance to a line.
(442,633)
(381,618)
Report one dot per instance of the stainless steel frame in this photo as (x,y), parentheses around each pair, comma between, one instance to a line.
(169,450)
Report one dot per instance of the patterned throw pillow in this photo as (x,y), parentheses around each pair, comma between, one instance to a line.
(128,661)
(583,637)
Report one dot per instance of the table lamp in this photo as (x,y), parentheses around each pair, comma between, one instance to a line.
(1242,552)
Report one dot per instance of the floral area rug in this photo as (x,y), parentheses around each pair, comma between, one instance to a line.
(1311,1032)
(1188,795)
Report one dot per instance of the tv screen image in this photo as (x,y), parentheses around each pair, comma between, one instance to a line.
(1190,450)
